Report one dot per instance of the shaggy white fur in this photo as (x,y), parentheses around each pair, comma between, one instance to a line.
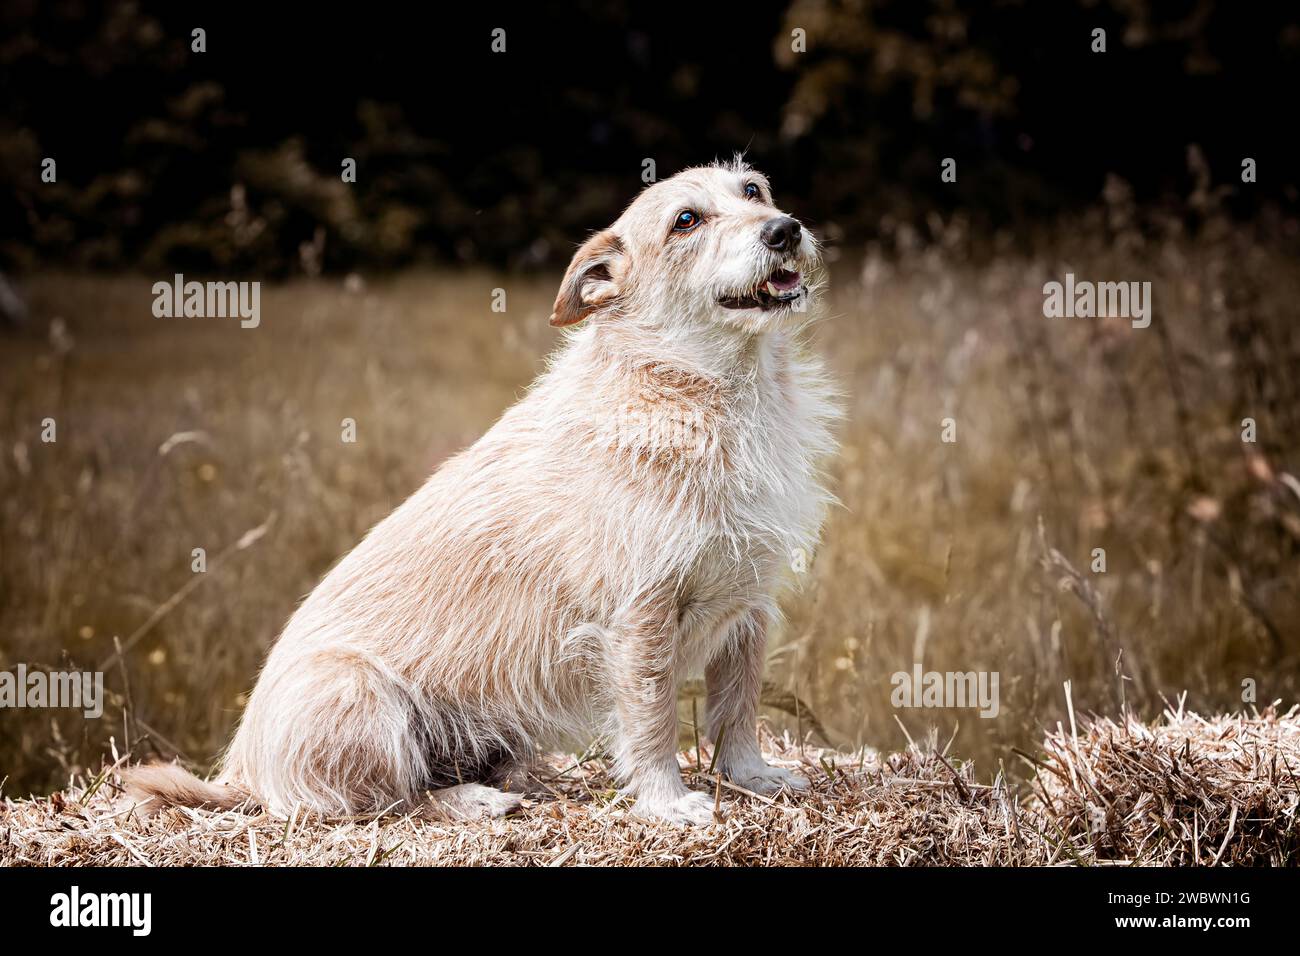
(630,521)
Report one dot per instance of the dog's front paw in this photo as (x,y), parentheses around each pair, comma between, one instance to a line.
(761,778)
(687,809)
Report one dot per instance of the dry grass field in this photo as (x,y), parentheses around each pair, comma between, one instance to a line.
(973,555)
(1183,791)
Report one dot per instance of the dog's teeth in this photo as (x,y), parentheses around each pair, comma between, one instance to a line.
(772,289)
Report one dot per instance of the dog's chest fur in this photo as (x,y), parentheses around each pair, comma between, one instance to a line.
(758,485)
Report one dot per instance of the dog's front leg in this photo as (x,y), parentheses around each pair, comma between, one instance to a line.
(644,673)
(735,680)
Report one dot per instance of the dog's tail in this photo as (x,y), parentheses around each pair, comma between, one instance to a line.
(151,787)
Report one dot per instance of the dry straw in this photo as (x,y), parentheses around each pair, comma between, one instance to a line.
(1184,791)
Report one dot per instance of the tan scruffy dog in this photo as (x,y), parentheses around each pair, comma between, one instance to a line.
(627,523)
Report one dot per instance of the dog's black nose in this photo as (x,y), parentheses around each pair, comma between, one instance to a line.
(782,234)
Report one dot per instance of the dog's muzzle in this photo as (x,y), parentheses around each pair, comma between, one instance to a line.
(782,234)
(782,287)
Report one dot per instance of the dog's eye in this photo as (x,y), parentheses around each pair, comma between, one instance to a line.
(686,220)
(751,191)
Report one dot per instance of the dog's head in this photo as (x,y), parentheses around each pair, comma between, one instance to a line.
(706,246)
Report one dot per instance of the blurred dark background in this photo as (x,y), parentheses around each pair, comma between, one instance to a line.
(229,160)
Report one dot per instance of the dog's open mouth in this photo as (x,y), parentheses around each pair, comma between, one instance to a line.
(780,288)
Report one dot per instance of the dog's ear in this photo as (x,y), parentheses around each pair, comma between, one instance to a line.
(595,278)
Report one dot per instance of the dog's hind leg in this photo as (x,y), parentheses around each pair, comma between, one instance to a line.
(469,801)
(335,731)
(496,781)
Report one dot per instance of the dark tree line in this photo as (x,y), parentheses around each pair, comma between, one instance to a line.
(230,159)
